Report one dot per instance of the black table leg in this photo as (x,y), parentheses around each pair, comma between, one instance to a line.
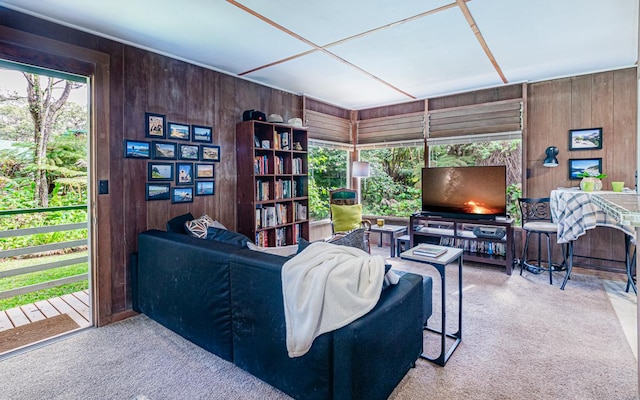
(444,355)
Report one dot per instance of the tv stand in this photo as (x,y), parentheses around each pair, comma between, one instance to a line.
(458,232)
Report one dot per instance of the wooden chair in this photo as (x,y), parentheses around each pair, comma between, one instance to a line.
(348,197)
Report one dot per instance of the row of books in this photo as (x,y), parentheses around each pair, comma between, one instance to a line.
(262,238)
(297,234)
(476,246)
(270,216)
(281,236)
(278,166)
(260,165)
(297,166)
(299,211)
(280,140)
(262,190)
(282,189)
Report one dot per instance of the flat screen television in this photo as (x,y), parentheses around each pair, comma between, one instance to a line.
(465,192)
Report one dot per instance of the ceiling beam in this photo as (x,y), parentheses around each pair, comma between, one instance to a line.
(472,23)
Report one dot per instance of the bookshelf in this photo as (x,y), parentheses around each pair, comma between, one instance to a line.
(455,232)
(272,183)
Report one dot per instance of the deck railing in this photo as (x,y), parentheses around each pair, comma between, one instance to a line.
(32,250)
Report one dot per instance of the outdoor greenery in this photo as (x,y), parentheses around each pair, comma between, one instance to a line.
(394,187)
(44,166)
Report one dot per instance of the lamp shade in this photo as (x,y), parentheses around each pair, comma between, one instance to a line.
(360,169)
(551,160)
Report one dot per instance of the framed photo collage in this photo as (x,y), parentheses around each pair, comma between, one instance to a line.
(181,159)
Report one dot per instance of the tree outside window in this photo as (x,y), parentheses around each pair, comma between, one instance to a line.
(327,171)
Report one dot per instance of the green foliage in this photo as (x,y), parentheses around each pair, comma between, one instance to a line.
(327,171)
(393,189)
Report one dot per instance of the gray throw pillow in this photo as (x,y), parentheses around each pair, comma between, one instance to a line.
(355,238)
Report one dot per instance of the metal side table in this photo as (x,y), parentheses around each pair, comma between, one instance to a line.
(439,263)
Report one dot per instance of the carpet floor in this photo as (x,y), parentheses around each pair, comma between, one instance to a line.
(522,338)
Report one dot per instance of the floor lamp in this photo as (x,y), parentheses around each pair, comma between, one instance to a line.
(360,169)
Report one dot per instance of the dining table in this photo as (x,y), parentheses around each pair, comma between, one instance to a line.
(576,211)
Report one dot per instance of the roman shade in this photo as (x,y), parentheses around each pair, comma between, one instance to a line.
(477,119)
(398,130)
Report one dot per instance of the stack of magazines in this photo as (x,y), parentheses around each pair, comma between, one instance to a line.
(426,250)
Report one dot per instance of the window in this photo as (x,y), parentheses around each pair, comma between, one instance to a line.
(327,170)
(393,189)
(462,153)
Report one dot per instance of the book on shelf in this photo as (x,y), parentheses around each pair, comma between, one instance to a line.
(429,251)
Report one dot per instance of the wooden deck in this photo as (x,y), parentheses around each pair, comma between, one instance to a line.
(75,304)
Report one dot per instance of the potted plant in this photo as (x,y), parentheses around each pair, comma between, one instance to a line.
(591,179)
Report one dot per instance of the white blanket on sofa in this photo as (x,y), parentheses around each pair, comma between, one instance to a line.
(326,287)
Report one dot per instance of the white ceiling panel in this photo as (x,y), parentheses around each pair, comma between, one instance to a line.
(213,33)
(424,56)
(550,38)
(327,21)
(322,77)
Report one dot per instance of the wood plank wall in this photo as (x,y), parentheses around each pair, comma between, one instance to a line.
(140,81)
(606,100)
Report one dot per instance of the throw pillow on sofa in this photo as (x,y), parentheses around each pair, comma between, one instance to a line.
(354,238)
(198,227)
(226,236)
(176,224)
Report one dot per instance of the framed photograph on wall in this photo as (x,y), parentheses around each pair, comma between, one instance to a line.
(209,153)
(188,152)
(579,165)
(178,131)
(160,171)
(204,170)
(184,173)
(205,188)
(164,150)
(585,139)
(137,149)
(182,194)
(157,191)
(201,133)
(154,125)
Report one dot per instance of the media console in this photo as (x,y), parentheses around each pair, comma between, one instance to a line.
(487,245)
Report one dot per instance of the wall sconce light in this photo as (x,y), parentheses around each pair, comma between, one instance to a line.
(551,160)
(360,169)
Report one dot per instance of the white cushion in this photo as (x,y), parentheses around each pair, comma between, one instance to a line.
(541,226)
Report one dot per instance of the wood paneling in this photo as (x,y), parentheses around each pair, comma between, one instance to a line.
(606,100)
(126,83)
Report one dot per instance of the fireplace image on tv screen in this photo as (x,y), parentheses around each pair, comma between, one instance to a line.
(471,192)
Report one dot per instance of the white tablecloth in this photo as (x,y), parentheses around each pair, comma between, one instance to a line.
(575,213)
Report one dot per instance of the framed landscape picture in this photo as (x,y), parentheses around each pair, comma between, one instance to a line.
(182,194)
(164,150)
(579,165)
(188,152)
(178,131)
(154,125)
(137,149)
(201,133)
(585,139)
(209,153)
(160,171)
(157,191)
(204,170)
(184,173)
(205,188)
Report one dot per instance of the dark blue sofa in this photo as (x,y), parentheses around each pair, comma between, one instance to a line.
(228,300)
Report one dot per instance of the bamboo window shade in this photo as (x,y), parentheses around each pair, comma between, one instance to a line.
(327,127)
(476,119)
(393,129)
